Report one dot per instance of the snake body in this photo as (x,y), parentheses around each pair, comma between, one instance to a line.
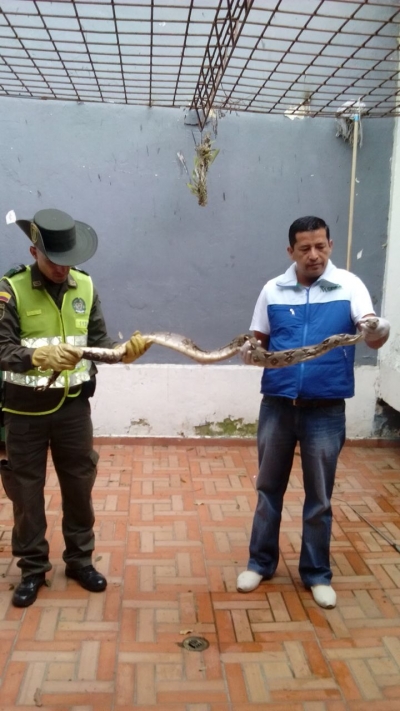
(259,356)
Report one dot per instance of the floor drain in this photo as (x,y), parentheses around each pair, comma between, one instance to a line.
(195,644)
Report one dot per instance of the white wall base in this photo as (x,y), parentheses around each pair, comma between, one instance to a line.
(389,389)
(360,410)
(195,400)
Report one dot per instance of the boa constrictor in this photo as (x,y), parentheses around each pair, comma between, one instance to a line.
(258,354)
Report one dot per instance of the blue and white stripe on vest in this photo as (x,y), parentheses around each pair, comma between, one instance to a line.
(295,316)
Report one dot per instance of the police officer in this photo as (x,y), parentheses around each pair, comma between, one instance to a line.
(47,312)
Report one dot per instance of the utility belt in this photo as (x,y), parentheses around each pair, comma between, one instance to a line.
(303,402)
(24,400)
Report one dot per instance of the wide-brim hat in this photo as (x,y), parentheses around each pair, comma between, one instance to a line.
(62,239)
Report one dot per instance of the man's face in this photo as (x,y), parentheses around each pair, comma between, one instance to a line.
(53,272)
(311,252)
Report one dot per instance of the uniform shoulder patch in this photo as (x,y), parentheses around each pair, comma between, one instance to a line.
(15,270)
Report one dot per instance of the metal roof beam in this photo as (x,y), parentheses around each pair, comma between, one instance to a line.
(226,29)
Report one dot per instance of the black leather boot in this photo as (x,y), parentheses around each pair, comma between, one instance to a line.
(26,592)
(88,577)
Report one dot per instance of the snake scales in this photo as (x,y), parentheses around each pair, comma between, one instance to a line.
(259,356)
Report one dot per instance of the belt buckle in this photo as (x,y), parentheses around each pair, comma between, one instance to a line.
(294,402)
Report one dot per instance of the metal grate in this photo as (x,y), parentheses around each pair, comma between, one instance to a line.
(265,56)
(195,644)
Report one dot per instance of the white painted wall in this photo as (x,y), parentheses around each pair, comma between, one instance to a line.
(172,400)
(389,359)
(159,400)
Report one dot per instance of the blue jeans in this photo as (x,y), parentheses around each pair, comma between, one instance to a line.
(320,432)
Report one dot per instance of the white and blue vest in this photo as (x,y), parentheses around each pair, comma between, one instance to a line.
(296,316)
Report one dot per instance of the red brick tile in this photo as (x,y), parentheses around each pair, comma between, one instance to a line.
(172,528)
(225,629)
(236,683)
(316,660)
(294,606)
(345,681)
(11,682)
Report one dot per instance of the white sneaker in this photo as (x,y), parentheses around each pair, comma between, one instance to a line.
(324,596)
(248,580)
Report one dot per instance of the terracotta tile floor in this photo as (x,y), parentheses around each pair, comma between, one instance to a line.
(172,530)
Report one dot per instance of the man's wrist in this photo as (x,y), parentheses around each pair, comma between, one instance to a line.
(377,343)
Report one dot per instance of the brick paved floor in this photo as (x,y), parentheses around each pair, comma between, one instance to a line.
(172,530)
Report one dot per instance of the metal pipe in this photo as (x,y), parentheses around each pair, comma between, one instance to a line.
(356,119)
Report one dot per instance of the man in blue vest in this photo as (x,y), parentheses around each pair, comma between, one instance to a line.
(48,311)
(305,403)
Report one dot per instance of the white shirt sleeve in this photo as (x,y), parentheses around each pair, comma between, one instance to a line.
(260,321)
(361,302)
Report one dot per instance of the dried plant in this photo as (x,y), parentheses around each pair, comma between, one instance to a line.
(205,156)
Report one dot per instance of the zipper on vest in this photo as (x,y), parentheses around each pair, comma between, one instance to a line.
(59,312)
(66,373)
(304,339)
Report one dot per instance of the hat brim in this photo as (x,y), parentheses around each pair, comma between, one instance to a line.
(84,249)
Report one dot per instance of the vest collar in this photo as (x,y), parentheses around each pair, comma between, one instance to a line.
(327,280)
(39,280)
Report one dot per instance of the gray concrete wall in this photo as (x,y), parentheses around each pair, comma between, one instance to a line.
(163,262)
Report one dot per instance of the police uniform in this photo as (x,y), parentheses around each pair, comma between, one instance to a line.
(59,417)
(42,325)
(48,311)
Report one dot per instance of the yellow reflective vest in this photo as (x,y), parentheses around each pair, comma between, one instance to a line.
(42,323)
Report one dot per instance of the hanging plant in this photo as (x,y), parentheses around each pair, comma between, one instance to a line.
(205,156)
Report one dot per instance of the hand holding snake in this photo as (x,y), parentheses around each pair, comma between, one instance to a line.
(258,355)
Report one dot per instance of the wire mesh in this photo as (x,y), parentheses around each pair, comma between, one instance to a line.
(264,56)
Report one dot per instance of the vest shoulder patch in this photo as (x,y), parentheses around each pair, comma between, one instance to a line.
(15,270)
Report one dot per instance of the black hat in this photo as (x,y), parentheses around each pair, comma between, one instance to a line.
(62,239)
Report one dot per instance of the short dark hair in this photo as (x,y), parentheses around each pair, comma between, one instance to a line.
(306,224)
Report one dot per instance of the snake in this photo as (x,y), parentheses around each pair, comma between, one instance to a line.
(258,355)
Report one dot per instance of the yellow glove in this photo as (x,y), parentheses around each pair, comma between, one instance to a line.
(135,347)
(61,357)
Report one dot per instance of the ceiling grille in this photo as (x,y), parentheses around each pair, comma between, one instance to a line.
(263,56)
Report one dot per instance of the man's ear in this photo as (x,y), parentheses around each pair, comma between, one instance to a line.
(290,251)
(33,251)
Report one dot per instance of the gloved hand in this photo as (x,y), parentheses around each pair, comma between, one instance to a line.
(245,352)
(61,357)
(374,328)
(135,347)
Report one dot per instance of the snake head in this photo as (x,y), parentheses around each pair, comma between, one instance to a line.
(239,341)
(372,322)
(254,343)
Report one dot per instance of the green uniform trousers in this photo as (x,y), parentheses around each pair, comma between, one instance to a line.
(69,434)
